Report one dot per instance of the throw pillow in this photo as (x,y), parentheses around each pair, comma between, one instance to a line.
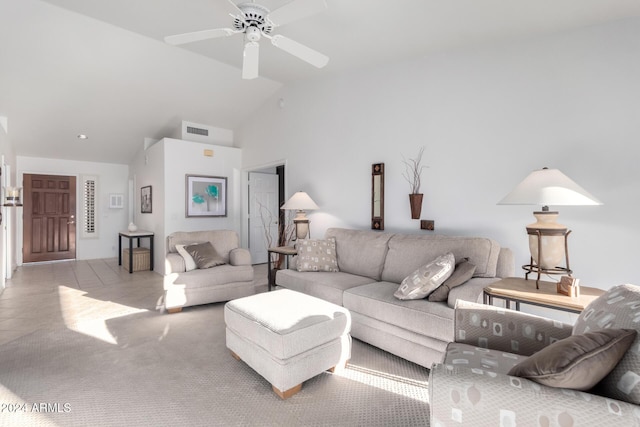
(426,279)
(204,255)
(189,263)
(578,362)
(617,308)
(463,271)
(317,255)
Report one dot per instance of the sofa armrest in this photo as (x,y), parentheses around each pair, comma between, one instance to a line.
(239,256)
(506,266)
(462,396)
(506,330)
(174,263)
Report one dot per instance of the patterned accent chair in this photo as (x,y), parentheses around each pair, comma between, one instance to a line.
(471,387)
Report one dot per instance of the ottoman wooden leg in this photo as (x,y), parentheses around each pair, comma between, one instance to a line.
(340,366)
(287,394)
(175,310)
(235,356)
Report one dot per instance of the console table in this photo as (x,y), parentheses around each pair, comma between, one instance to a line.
(135,235)
(519,290)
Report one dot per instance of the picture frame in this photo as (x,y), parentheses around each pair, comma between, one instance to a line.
(205,196)
(146,202)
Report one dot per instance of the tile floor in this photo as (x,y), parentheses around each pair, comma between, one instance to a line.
(51,295)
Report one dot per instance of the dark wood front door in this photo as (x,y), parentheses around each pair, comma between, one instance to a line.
(49,218)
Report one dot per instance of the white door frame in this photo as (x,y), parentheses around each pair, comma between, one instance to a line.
(244,228)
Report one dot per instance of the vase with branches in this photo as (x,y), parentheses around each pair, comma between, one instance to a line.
(412,174)
(286,230)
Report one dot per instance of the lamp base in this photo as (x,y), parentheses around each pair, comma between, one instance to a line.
(536,265)
(302,228)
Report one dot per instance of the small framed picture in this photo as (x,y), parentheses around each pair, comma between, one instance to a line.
(205,196)
(145,199)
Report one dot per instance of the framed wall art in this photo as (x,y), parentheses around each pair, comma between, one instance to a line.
(145,199)
(206,196)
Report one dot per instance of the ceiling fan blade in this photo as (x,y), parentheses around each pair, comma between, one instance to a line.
(236,8)
(250,61)
(199,35)
(303,52)
(297,9)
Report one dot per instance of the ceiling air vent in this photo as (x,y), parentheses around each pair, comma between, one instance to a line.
(197,131)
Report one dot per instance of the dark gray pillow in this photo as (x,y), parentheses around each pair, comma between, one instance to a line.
(578,362)
(204,255)
(464,271)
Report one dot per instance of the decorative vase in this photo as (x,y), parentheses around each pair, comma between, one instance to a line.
(415,200)
(133,227)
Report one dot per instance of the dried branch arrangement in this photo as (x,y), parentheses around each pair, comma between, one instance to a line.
(413,170)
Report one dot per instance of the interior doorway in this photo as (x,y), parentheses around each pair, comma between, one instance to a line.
(49,224)
(265,218)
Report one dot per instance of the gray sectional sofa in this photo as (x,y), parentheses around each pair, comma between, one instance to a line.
(373,264)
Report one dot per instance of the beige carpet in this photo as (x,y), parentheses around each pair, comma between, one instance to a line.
(116,361)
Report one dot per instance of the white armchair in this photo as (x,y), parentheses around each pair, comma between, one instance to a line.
(233,279)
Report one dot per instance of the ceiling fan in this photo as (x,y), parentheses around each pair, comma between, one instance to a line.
(256,21)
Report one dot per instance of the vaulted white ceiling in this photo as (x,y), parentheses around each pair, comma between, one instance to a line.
(101,67)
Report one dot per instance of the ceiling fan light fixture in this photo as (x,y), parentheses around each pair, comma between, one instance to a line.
(253,34)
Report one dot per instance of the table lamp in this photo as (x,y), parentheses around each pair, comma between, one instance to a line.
(300,202)
(547,238)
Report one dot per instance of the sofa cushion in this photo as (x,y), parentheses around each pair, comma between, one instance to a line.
(376,300)
(471,291)
(204,255)
(189,263)
(461,274)
(578,362)
(617,308)
(207,278)
(426,279)
(223,241)
(362,252)
(328,286)
(408,252)
(317,255)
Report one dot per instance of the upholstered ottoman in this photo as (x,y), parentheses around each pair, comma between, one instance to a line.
(288,337)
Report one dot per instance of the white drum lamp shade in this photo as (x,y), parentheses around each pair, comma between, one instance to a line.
(300,202)
(547,238)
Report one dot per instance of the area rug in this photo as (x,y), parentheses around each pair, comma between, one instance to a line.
(148,368)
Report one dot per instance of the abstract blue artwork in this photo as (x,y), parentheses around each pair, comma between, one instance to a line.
(206,196)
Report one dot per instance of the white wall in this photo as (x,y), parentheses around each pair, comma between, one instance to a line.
(9,215)
(167,164)
(487,117)
(112,178)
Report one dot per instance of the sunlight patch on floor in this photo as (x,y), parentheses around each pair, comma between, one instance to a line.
(407,387)
(88,315)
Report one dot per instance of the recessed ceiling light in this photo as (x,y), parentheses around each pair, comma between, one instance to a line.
(82,136)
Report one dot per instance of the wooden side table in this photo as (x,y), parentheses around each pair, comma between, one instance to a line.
(287,251)
(519,290)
